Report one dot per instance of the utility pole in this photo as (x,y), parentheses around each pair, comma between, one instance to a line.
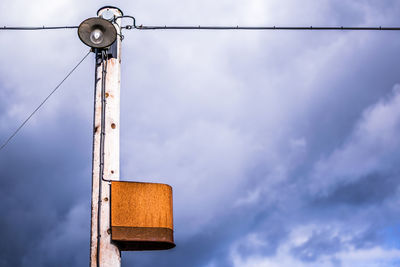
(105,165)
(140,217)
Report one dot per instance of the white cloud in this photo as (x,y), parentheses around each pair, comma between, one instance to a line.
(374,257)
(347,256)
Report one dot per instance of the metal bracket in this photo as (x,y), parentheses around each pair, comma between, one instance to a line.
(112,51)
(128,27)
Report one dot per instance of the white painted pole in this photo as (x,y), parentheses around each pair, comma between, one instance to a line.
(102,251)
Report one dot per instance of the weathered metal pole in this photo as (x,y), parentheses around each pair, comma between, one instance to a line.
(105,147)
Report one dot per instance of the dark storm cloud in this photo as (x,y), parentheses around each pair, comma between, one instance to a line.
(319,132)
(373,189)
(40,184)
(45,178)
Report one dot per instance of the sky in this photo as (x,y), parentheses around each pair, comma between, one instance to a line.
(282,148)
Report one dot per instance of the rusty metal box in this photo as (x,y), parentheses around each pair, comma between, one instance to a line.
(141,216)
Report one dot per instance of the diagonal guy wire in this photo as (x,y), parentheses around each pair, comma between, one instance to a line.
(44,101)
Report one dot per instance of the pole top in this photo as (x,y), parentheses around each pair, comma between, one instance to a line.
(109,7)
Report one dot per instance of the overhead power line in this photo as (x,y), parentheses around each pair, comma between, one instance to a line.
(37,28)
(44,101)
(340,28)
(237,27)
(199,27)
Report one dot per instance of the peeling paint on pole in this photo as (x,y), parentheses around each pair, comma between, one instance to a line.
(107,254)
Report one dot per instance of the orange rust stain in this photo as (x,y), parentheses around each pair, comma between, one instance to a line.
(112,62)
(141,205)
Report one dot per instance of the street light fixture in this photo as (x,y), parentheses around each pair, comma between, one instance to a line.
(97,32)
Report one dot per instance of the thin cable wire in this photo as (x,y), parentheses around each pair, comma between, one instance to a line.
(104,61)
(44,101)
(103,113)
(312,28)
(199,27)
(37,28)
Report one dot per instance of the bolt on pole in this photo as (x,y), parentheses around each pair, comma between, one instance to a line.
(105,145)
